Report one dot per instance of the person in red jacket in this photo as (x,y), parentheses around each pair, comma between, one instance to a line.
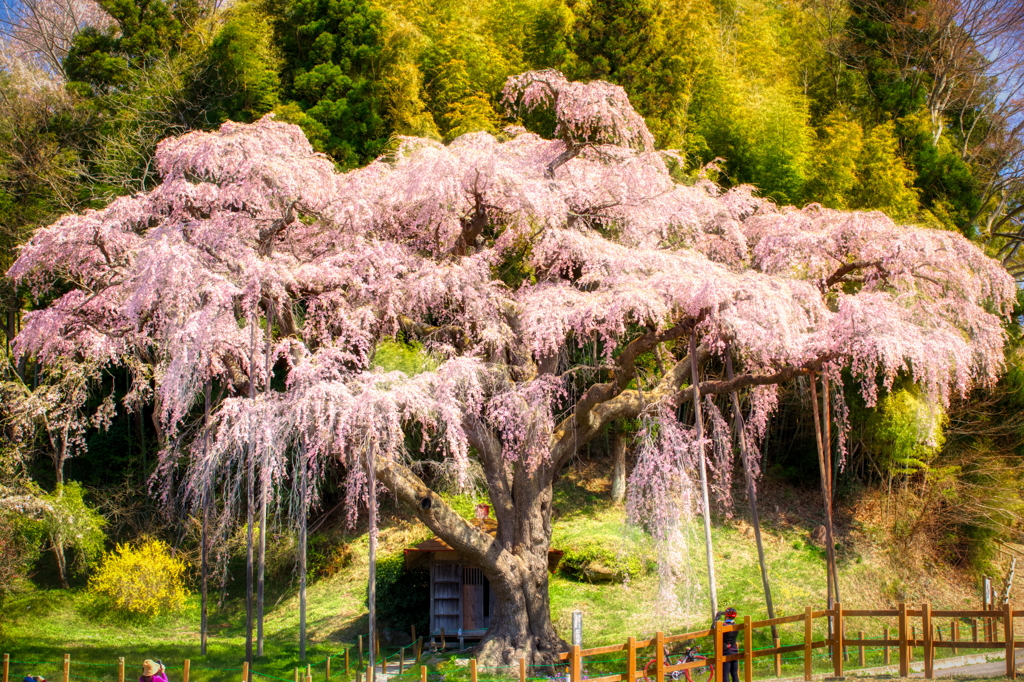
(729,647)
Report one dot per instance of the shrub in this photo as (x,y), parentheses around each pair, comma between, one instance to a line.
(578,560)
(403,597)
(143,580)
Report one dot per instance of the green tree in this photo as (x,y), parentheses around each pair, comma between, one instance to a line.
(239,74)
(145,32)
(330,50)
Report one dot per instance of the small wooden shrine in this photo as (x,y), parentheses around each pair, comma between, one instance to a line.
(461,601)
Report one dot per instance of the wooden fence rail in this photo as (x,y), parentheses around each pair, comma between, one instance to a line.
(909,623)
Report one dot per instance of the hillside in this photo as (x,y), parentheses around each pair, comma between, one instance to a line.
(41,625)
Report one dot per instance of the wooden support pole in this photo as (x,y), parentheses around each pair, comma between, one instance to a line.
(360,640)
(297,675)
(954,632)
(913,640)
(718,650)
(423,673)
(837,641)
(630,659)
(370,673)
(327,673)
(974,629)
(808,640)
(346,663)
(522,670)
(902,636)
(777,642)
(120,669)
(186,667)
(929,644)
(309,673)
(401,660)
(472,669)
(7,667)
(659,658)
(860,649)
(67,666)
(885,648)
(245,671)
(1011,662)
(748,650)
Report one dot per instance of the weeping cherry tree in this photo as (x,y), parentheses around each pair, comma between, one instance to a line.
(501,255)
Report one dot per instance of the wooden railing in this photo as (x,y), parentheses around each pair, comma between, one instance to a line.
(906,641)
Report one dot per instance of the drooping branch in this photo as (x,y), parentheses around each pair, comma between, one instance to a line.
(435,513)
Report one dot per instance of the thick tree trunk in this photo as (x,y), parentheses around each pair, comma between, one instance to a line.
(515,561)
(521,624)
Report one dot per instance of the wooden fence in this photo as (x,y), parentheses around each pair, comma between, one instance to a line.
(910,622)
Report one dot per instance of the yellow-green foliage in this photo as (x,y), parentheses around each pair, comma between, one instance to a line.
(409,358)
(906,431)
(143,579)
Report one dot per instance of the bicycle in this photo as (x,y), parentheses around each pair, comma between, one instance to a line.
(689,655)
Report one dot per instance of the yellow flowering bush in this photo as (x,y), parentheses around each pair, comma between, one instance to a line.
(143,579)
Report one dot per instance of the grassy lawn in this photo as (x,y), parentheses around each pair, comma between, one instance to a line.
(38,627)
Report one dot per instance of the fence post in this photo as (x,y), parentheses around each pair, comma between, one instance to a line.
(778,658)
(346,662)
(659,657)
(1011,663)
(974,629)
(522,670)
(631,659)
(423,673)
(860,657)
(327,673)
(718,650)
(929,648)
(419,648)
(748,650)
(296,675)
(954,633)
(309,673)
(902,635)
(120,669)
(808,637)
(370,673)
(885,647)
(7,666)
(472,670)
(576,667)
(837,642)
(67,666)
(186,666)
(360,640)
(245,671)
(913,641)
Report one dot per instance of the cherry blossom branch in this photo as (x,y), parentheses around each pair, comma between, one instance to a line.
(434,512)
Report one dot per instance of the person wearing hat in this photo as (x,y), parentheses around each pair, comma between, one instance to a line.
(729,646)
(153,671)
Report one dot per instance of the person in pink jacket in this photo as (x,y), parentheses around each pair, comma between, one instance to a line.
(153,671)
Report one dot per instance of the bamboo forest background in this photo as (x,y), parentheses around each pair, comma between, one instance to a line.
(911,107)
